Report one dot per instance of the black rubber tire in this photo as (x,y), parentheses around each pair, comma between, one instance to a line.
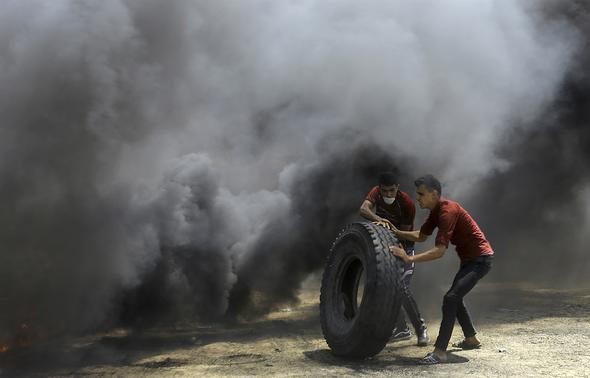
(362,330)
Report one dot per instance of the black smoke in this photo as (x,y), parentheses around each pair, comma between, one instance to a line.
(326,195)
(537,211)
(195,159)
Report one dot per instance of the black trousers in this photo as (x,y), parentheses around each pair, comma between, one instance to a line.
(453,307)
(408,303)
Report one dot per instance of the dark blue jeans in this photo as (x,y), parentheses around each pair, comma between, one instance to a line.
(408,302)
(453,306)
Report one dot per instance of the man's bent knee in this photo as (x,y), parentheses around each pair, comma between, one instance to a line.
(451,299)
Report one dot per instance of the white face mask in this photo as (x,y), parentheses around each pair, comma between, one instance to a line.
(389,200)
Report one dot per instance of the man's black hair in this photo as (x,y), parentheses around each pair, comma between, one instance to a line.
(387,179)
(430,182)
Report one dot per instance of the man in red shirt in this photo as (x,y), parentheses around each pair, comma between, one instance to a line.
(456,226)
(393,209)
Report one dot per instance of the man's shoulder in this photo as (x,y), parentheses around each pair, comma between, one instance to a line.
(374,190)
(373,194)
(446,203)
(405,197)
(448,206)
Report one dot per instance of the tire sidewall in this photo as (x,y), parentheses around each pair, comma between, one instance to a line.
(367,333)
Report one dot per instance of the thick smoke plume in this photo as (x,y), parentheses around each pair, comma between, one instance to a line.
(538,208)
(196,158)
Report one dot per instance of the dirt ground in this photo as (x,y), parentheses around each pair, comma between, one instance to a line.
(525,333)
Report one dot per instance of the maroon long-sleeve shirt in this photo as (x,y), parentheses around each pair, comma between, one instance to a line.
(456,226)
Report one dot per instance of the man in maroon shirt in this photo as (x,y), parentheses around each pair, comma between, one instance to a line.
(455,226)
(393,209)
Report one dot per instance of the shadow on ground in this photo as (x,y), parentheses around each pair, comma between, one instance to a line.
(377,363)
(124,347)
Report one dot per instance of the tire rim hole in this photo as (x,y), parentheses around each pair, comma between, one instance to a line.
(352,288)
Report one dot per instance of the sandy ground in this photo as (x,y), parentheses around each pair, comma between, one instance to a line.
(525,333)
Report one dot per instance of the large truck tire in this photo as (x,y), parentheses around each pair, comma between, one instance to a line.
(360,296)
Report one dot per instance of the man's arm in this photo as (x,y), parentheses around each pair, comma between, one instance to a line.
(432,254)
(366,211)
(406,227)
(415,236)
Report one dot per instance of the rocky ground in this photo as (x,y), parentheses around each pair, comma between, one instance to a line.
(526,332)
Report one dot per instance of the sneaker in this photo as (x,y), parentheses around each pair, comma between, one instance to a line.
(423,338)
(403,334)
(432,359)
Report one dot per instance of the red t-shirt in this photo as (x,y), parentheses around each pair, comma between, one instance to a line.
(455,225)
(401,212)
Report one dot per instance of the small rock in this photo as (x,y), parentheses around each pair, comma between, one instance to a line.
(278,350)
(195,341)
(501,350)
